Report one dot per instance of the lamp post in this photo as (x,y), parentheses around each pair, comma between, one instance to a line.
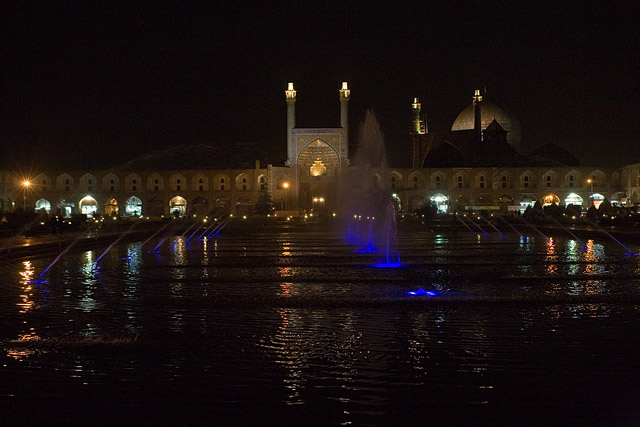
(590,181)
(285,185)
(25,184)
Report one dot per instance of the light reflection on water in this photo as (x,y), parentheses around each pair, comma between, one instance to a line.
(326,331)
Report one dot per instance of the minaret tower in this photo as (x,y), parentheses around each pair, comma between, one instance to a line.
(477,110)
(419,126)
(290,95)
(345,95)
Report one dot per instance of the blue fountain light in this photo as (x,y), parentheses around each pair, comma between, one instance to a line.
(422,292)
(387,265)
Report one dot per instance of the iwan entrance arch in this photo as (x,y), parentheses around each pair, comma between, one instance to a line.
(317,157)
(317,172)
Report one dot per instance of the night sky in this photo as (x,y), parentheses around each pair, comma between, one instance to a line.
(94,86)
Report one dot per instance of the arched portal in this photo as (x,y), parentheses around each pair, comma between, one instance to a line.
(243,206)
(88,206)
(43,204)
(318,167)
(65,208)
(415,202)
(133,206)
(573,199)
(528,200)
(441,201)
(550,199)
(484,200)
(155,207)
(200,207)
(504,202)
(596,199)
(111,207)
(461,202)
(178,206)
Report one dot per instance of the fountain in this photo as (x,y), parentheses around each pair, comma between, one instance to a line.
(367,212)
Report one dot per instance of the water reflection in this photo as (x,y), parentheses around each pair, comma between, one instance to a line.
(314,345)
(26,283)
(551,257)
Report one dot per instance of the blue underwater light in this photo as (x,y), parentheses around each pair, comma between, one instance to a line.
(422,292)
(387,265)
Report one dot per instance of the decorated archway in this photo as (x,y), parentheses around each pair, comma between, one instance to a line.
(133,206)
(43,204)
(155,207)
(550,199)
(111,207)
(573,199)
(528,200)
(200,207)
(88,206)
(596,199)
(178,206)
(441,201)
(504,202)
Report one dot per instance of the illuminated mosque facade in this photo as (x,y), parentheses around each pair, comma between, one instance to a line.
(474,166)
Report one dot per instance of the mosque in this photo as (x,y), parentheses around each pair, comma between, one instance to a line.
(476,165)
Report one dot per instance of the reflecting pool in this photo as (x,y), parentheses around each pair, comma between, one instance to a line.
(297,328)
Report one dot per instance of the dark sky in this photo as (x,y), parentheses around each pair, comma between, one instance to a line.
(93,86)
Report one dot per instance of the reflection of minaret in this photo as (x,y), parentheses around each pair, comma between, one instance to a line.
(477,110)
(345,95)
(290,95)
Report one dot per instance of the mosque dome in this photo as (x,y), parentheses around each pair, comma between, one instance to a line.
(489,112)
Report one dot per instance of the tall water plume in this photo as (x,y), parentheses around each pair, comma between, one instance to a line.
(365,208)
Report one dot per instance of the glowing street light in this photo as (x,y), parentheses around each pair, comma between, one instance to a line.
(25,184)
(285,185)
(590,181)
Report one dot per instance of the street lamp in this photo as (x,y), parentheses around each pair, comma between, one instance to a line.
(590,181)
(285,185)
(25,184)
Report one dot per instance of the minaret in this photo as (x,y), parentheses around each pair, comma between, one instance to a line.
(290,95)
(419,126)
(345,95)
(477,110)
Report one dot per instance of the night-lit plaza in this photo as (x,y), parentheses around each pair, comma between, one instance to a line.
(268,214)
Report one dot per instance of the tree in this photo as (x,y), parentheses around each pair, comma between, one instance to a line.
(264,206)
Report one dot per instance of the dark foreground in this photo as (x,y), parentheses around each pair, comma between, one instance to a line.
(292,327)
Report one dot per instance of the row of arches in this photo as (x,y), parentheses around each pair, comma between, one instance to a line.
(154,182)
(133,206)
(505,179)
(443,203)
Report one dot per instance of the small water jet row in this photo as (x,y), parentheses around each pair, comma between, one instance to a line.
(584,246)
(219,227)
(67,249)
(599,228)
(127,231)
(481,229)
(494,227)
(462,221)
(548,239)
(166,236)
(512,227)
(213,224)
(192,234)
(173,245)
(155,234)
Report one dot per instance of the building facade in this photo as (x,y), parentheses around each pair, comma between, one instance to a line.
(310,179)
